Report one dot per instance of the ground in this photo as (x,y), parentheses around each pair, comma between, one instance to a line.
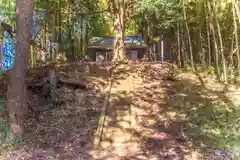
(145,112)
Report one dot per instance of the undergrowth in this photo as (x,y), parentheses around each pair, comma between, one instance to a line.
(220,119)
(4,132)
(3,124)
(231,133)
(232,77)
(3,74)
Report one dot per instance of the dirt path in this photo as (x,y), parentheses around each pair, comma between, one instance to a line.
(133,128)
(158,118)
(148,116)
(116,134)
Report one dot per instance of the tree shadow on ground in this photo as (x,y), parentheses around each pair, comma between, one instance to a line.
(161,118)
(66,131)
(172,119)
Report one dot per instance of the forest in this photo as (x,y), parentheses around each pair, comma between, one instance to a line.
(120,79)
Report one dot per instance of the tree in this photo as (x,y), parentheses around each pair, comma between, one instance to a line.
(17,103)
(189,37)
(120,9)
(160,19)
(118,15)
(235,13)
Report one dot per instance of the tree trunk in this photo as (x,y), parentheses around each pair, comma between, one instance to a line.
(201,48)
(179,57)
(209,45)
(211,26)
(231,59)
(225,79)
(189,37)
(119,29)
(236,36)
(183,44)
(81,39)
(234,3)
(17,103)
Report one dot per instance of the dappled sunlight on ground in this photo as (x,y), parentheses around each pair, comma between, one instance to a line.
(135,128)
(152,113)
(165,119)
(65,132)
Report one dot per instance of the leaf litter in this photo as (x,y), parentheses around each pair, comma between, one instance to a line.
(66,131)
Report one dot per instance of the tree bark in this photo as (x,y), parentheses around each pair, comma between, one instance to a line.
(225,79)
(119,29)
(183,44)
(208,42)
(17,98)
(189,36)
(234,10)
(179,57)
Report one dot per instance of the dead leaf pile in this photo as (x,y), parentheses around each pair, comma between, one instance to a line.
(64,132)
(150,71)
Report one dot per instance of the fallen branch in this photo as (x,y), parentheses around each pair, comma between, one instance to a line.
(73,83)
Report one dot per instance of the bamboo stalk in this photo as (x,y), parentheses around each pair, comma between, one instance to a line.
(236,36)
(189,37)
(225,79)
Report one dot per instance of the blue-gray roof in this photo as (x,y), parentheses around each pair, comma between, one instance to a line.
(107,42)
